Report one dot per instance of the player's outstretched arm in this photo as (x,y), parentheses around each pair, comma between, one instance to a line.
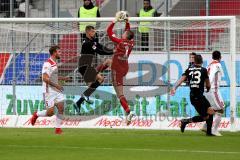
(111,34)
(103,50)
(127,26)
(179,82)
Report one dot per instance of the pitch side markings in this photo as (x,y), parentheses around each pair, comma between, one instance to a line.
(127,149)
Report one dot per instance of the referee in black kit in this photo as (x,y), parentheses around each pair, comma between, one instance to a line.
(198,77)
(91,75)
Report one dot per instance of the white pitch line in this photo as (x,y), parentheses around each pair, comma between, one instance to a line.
(125,149)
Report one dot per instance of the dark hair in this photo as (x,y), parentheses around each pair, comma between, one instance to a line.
(88,28)
(193,54)
(130,35)
(147,1)
(216,55)
(53,49)
(198,59)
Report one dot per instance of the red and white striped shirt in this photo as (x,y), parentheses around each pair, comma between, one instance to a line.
(50,68)
(215,73)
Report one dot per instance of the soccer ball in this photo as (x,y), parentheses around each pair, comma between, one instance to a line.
(121,15)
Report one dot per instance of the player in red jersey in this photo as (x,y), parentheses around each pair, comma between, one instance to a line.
(119,66)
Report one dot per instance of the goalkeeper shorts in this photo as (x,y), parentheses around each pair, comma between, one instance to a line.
(117,78)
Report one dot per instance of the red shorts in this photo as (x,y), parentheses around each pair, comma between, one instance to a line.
(119,70)
(117,78)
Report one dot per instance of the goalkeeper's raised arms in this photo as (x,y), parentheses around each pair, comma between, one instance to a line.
(121,16)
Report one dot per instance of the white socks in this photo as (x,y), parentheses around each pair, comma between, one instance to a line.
(59,118)
(218,117)
(217,120)
(42,113)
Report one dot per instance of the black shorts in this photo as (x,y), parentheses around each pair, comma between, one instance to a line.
(82,70)
(201,104)
(89,74)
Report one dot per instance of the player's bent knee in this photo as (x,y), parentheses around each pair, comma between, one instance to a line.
(108,62)
(114,84)
(205,118)
(210,111)
(99,81)
(100,78)
(120,96)
(50,111)
(60,111)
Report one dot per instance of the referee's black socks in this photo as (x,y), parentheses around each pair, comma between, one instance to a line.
(209,122)
(194,119)
(91,88)
(197,119)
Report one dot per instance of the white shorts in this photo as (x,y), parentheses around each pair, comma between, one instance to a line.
(52,98)
(215,99)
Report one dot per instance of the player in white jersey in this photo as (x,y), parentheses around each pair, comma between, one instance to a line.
(215,72)
(52,90)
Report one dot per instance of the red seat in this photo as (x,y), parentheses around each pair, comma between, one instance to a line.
(196,39)
(68,45)
(4,57)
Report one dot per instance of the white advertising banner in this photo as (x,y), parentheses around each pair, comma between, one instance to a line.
(169,123)
(8,121)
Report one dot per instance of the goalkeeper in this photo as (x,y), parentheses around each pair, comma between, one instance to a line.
(119,66)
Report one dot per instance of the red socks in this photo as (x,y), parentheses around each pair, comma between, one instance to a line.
(101,67)
(124,104)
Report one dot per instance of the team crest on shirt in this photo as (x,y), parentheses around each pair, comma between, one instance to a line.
(94,46)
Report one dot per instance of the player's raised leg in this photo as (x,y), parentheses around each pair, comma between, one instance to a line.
(44,113)
(91,88)
(194,119)
(106,64)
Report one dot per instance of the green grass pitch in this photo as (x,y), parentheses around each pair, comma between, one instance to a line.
(112,144)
